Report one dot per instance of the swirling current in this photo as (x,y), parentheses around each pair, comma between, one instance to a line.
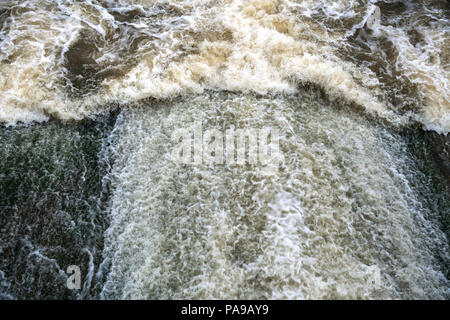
(92,93)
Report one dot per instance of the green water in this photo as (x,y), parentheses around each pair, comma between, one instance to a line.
(52,206)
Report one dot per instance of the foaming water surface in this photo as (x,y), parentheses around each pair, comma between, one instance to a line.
(52,208)
(69,59)
(341,219)
(358,208)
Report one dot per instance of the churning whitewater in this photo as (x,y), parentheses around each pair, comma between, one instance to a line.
(71,59)
(92,91)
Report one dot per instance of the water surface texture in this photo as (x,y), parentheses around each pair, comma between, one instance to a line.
(91,93)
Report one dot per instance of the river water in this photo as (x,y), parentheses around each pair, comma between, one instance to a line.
(91,93)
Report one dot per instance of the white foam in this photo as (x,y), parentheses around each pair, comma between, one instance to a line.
(337,221)
(186,47)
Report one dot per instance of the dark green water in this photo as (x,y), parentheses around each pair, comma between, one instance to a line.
(52,207)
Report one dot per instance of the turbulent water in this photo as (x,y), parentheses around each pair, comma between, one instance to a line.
(91,93)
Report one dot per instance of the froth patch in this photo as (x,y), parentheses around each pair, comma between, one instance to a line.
(72,60)
(338,220)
